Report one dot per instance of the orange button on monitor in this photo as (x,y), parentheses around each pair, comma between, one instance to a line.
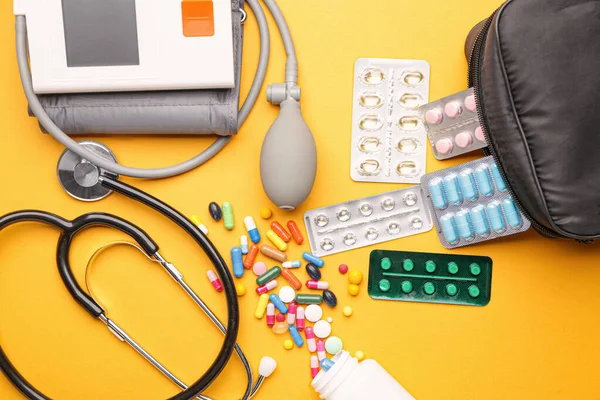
(198,18)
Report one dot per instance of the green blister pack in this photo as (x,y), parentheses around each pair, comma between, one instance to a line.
(430,277)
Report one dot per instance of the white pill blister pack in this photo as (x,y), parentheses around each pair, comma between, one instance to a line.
(389,140)
(367,221)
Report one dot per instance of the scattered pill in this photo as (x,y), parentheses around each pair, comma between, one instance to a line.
(497,176)
(196,221)
(330,320)
(215,211)
(265,213)
(513,217)
(317,285)
(214,280)
(334,345)
(359,355)
(228,219)
(309,299)
(355,277)
(327,364)
(261,306)
(313,313)
(316,261)
(276,240)
(251,229)
(314,366)
(244,244)
(468,188)
(444,146)
(453,109)
(280,231)
(273,253)
(240,289)
(237,262)
(321,353)
(343,269)
(259,268)
(267,287)
(329,298)
(453,189)
(311,342)
(353,290)
(280,328)
(291,278)
(279,317)
(322,329)
(279,304)
(288,344)
(295,231)
(300,321)
(269,275)
(313,271)
(292,264)
(287,294)
(296,336)
(251,256)
(271,314)
(348,311)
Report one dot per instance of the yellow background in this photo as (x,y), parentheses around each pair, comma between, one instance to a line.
(538,338)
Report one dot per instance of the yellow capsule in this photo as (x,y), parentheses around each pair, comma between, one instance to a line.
(353,290)
(261,306)
(280,328)
(276,240)
(196,221)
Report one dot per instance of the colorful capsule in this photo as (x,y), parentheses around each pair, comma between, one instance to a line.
(215,211)
(329,298)
(292,264)
(327,364)
(267,287)
(484,181)
(296,336)
(317,285)
(280,305)
(214,280)
(463,224)
(196,221)
(292,309)
(228,216)
(513,216)
(244,244)
(261,306)
(313,259)
(251,256)
(453,189)
(311,341)
(300,321)
(321,353)
(280,231)
(280,328)
(270,314)
(292,279)
(273,253)
(497,176)
(276,240)
(309,299)
(237,262)
(313,271)
(269,275)
(449,228)
(480,221)
(496,217)
(295,231)
(314,366)
(252,230)
(438,197)
(467,184)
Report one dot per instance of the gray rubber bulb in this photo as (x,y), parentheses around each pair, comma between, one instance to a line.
(288,160)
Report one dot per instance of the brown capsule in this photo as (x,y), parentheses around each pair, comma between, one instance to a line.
(273,253)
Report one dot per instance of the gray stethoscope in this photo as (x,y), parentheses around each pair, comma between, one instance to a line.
(85,181)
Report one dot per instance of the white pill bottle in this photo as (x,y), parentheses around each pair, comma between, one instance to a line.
(350,380)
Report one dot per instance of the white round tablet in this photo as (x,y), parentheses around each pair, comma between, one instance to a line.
(313,313)
(322,329)
(287,294)
(330,320)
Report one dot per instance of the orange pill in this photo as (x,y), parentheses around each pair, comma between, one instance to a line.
(273,253)
(291,278)
(296,234)
(280,231)
(251,256)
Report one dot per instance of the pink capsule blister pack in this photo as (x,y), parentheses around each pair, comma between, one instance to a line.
(453,125)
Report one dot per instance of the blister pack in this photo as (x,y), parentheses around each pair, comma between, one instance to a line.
(367,221)
(453,125)
(470,203)
(389,141)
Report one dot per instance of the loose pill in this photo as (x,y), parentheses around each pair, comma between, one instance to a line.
(321,353)
(322,329)
(444,146)
(438,196)
(353,290)
(280,231)
(479,135)
(453,109)
(244,244)
(330,320)
(267,287)
(449,228)
(280,305)
(280,317)
(292,264)
(287,294)
(261,306)
(288,344)
(316,261)
(276,240)
(314,313)
(467,184)
(314,366)
(513,216)
(309,299)
(199,224)
(228,220)
(251,229)
(343,268)
(269,275)
(334,345)
(259,268)
(355,277)
(497,176)
(313,271)
(484,182)
(295,231)
(348,311)
(215,211)
(251,256)
(214,280)
(270,314)
(292,279)
(434,116)
(453,189)
(265,213)
(296,336)
(311,342)
(359,355)
(240,289)
(237,262)
(463,140)
(280,328)
(470,103)
(496,218)
(317,285)
(463,225)
(273,253)
(329,298)
(300,320)
(480,221)
(291,316)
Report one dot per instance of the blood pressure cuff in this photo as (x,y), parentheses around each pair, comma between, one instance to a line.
(534,65)
(195,112)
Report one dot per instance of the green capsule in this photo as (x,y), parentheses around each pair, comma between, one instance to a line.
(228,216)
(309,299)
(268,276)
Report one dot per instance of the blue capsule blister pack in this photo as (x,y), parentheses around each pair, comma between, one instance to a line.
(470,203)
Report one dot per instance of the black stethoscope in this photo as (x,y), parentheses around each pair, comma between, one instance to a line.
(105,183)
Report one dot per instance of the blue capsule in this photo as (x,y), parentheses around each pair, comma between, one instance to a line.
(513,216)
(278,303)
(452,189)
(326,364)
(467,184)
(448,228)
(484,181)
(237,262)
(311,258)
(463,224)
(480,221)
(252,230)
(438,197)
(496,218)
(500,184)
(296,336)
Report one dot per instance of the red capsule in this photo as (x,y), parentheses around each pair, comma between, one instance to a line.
(317,285)
(300,321)
(251,256)
(292,279)
(295,231)
(270,314)
(291,315)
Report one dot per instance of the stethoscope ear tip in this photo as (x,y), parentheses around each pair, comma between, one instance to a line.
(267,366)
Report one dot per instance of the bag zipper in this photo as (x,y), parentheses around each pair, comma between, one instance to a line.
(473,81)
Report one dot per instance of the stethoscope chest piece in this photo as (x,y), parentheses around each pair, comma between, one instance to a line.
(80,178)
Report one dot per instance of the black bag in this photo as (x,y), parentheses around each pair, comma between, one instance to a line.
(535,67)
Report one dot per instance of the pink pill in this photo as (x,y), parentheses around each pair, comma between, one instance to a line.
(470,103)
(444,146)
(479,134)
(259,268)
(463,140)
(453,109)
(434,117)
